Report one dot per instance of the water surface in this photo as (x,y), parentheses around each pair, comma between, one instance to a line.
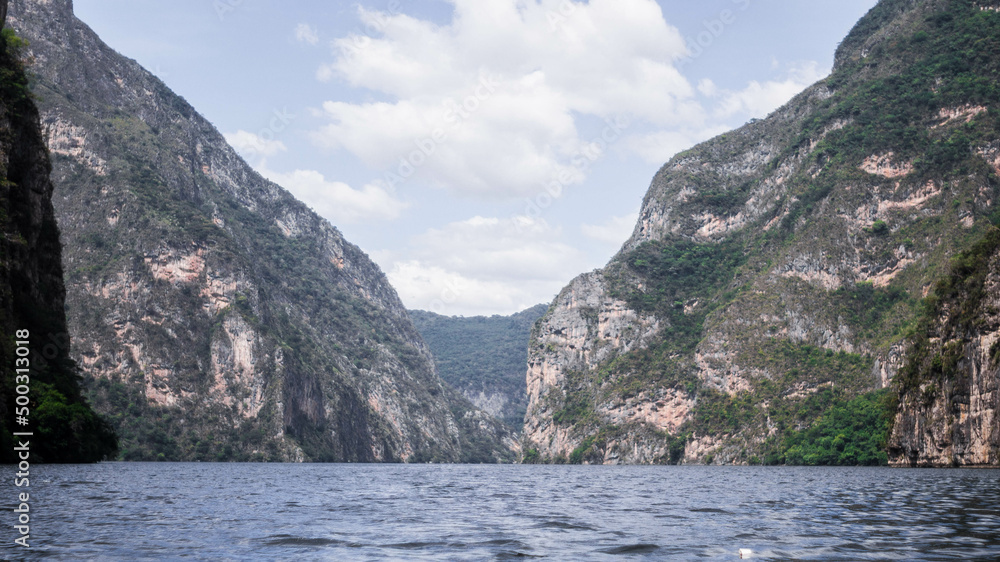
(151,511)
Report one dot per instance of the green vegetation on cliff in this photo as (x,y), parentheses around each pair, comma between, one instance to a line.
(850,432)
(819,393)
(949,384)
(682,282)
(485,358)
(958,301)
(784,263)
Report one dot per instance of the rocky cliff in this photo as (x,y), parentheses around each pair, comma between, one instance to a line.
(32,293)
(215,316)
(949,412)
(778,270)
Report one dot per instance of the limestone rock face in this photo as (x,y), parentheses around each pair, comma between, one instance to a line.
(780,264)
(949,412)
(584,328)
(216,316)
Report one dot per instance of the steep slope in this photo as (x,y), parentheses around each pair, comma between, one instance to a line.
(31,293)
(949,412)
(776,271)
(215,316)
(483,357)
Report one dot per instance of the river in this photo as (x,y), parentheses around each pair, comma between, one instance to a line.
(154,511)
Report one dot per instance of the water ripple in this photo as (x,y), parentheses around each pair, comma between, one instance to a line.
(135,511)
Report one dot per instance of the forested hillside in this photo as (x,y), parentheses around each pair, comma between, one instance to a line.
(483,357)
(778,275)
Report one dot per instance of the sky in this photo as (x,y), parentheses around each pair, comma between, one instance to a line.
(482,152)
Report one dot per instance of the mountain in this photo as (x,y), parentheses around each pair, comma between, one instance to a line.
(780,275)
(215,316)
(483,357)
(34,346)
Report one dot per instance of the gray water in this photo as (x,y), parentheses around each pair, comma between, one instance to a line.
(140,511)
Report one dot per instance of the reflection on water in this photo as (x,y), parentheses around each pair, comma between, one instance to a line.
(134,511)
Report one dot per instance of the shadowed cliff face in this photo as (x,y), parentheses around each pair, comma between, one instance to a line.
(32,292)
(217,317)
(781,266)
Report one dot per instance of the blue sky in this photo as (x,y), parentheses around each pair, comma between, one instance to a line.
(482,152)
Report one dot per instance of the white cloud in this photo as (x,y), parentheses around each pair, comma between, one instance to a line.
(485,266)
(510,142)
(503,83)
(430,287)
(250,145)
(336,201)
(305,33)
(760,99)
(615,230)
(707,87)
(756,100)
(661,146)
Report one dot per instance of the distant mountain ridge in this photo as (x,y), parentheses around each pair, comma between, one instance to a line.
(777,273)
(483,357)
(216,317)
